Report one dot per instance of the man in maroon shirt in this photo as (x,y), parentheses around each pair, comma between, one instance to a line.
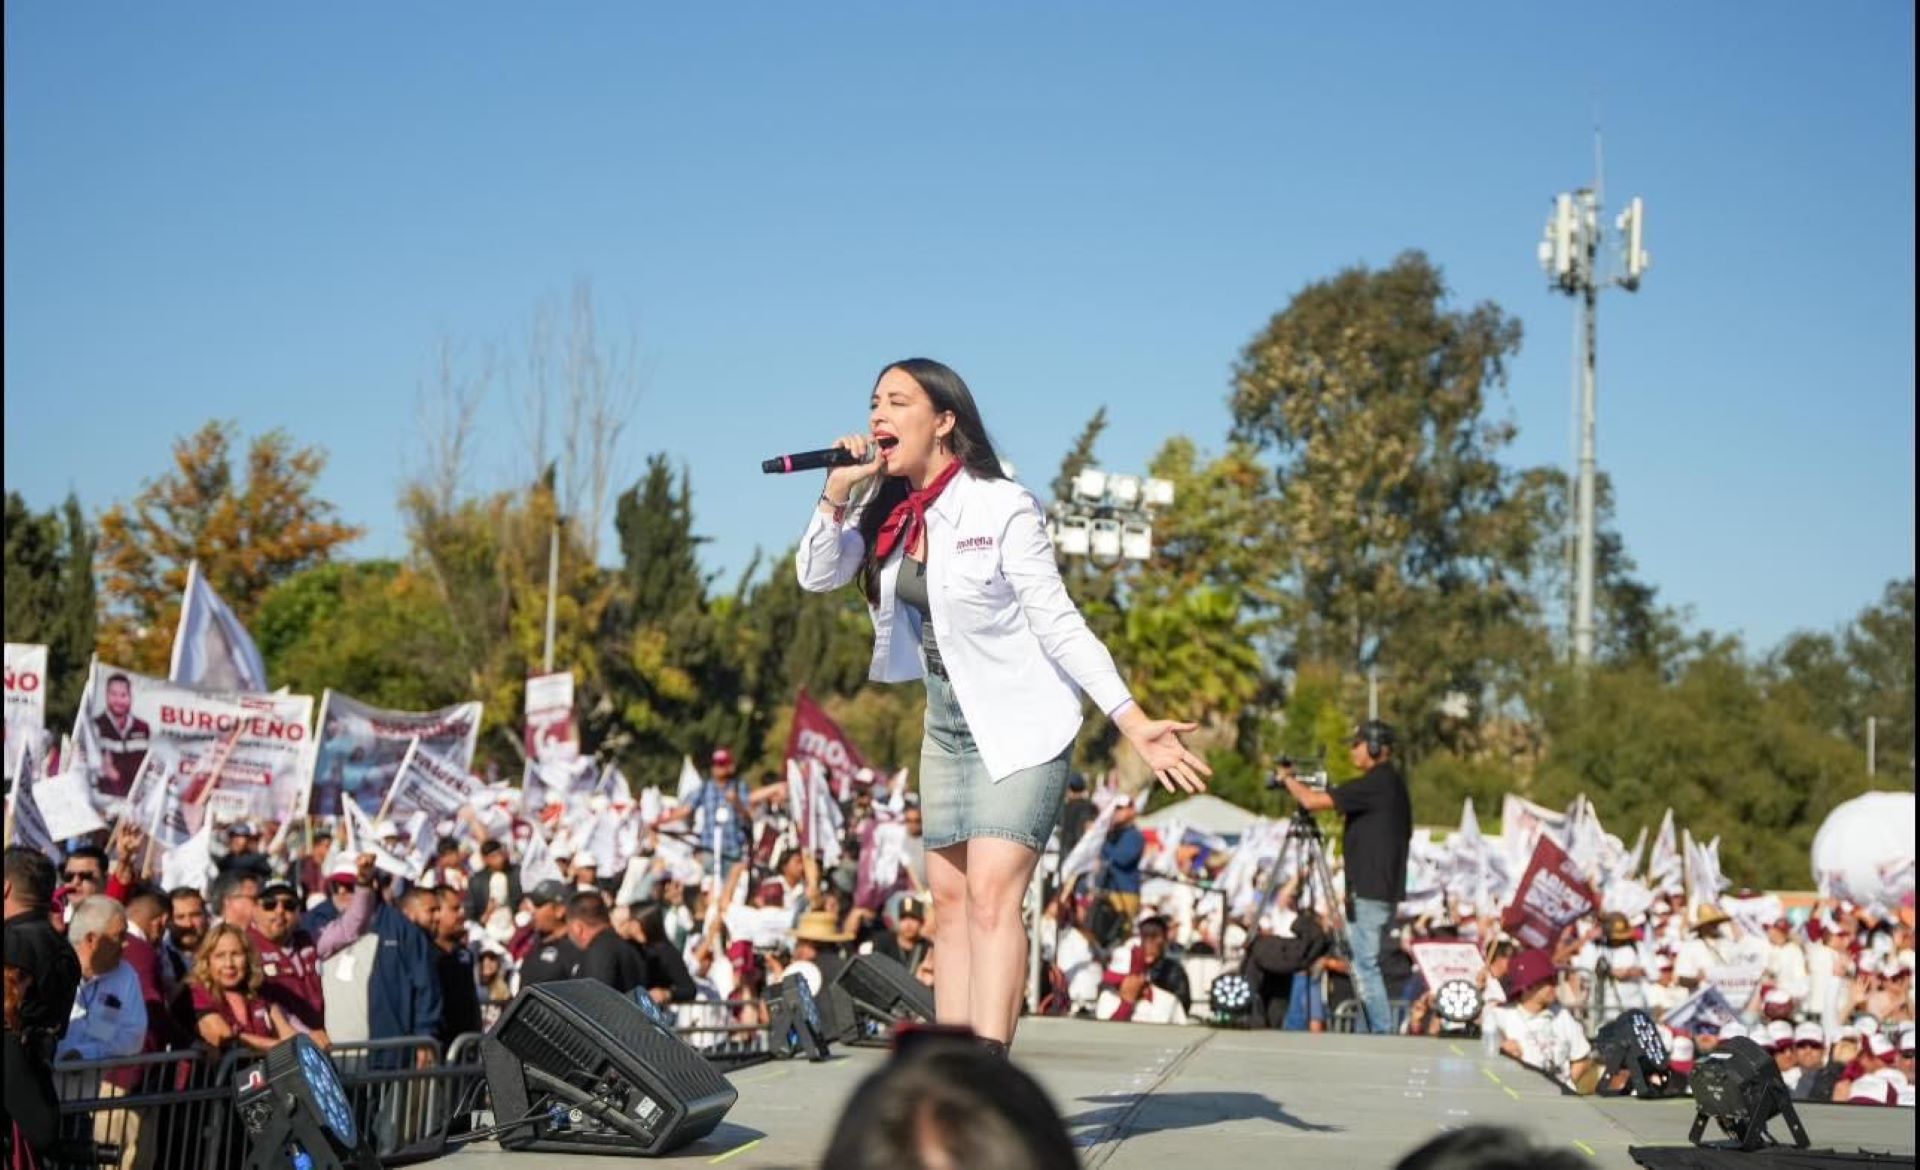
(290,958)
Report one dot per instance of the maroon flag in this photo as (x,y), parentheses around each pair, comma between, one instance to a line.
(817,737)
(1551,895)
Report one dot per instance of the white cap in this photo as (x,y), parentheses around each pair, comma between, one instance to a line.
(1906,1038)
(1867,1024)
(1681,1049)
(1778,998)
(1736,1028)
(1873,1089)
(1880,1045)
(1123,801)
(1809,1033)
(1779,1034)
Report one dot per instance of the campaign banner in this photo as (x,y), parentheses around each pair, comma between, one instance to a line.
(211,649)
(26,826)
(1551,895)
(1705,1008)
(427,791)
(263,744)
(815,736)
(1441,963)
(552,733)
(361,748)
(1522,822)
(26,697)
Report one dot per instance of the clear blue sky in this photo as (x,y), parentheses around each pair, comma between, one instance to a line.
(273,214)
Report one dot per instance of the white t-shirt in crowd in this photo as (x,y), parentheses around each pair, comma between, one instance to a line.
(1550,1041)
(1074,956)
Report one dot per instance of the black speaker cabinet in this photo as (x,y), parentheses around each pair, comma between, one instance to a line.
(881,992)
(601,1077)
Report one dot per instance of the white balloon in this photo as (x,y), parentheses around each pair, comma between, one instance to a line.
(1864,851)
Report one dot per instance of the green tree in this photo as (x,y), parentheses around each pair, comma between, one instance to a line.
(1729,748)
(376,630)
(50,596)
(1394,515)
(483,562)
(1864,671)
(249,526)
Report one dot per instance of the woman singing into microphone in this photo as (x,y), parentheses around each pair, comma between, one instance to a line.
(960,579)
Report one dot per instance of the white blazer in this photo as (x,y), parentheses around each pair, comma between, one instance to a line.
(1016,649)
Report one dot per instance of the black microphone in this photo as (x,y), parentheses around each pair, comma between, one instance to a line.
(813,460)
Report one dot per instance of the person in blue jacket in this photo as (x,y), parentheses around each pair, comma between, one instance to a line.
(1120,857)
(403,993)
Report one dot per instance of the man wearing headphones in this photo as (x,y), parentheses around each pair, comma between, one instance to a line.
(1379,832)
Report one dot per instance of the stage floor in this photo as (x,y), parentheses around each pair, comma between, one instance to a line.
(1141,1097)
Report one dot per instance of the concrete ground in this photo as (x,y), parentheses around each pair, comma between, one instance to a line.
(1139,1097)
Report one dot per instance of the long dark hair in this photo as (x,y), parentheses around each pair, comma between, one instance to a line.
(969,442)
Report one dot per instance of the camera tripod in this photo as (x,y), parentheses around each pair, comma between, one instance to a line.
(1305,840)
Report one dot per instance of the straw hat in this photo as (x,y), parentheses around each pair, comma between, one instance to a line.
(820,926)
(1707,914)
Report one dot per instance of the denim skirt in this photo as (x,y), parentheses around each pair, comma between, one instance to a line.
(960,801)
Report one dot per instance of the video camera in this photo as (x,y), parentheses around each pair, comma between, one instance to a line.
(1312,773)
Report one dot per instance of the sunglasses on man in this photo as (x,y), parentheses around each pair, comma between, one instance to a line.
(280,902)
(81,875)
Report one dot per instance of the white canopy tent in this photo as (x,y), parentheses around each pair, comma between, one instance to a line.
(1205,812)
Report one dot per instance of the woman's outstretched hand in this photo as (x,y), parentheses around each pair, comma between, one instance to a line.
(1158,742)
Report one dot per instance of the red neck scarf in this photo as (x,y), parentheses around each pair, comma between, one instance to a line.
(910,514)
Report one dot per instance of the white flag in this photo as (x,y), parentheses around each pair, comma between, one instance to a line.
(1086,851)
(66,807)
(211,649)
(537,864)
(189,865)
(362,839)
(689,779)
(1664,868)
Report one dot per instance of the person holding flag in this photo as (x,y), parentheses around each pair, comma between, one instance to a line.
(722,819)
(964,592)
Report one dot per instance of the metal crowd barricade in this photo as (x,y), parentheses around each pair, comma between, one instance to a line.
(162,1110)
(1346,1017)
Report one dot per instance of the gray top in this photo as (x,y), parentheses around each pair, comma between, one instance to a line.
(911,588)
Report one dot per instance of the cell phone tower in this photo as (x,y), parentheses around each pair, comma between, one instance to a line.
(1573,252)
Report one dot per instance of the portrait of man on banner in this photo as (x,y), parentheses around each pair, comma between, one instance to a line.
(123,736)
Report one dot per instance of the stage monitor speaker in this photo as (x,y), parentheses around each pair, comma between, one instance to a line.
(882,992)
(599,1074)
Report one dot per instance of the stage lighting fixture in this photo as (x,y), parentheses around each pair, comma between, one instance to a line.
(1123,491)
(1158,493)
(1231,994)
(296,1113)
(1631,1043)
(1090,486)
(1136,540)
(1073,539)
(1458,1002)
(1104,535)
(796,1024)
(1738,1086)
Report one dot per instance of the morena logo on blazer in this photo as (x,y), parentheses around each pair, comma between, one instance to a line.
(973,544)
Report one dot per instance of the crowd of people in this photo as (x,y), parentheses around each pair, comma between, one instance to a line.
(1827,987)
(721,905)
(330,943)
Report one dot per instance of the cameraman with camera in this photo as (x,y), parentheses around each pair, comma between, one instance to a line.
(1379,832)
